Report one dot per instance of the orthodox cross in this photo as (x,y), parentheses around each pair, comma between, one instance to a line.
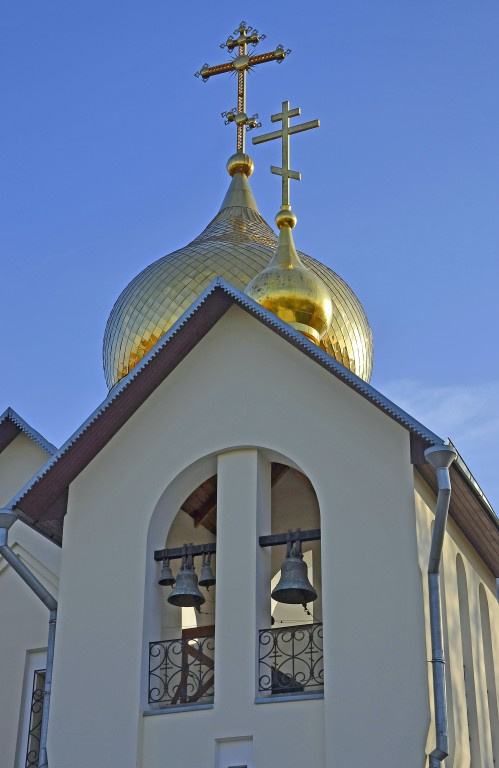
(286,131)
(241,64)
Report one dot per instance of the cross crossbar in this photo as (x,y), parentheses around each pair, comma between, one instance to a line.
(286,131)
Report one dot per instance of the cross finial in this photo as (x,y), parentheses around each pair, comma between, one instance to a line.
(242,63)
(286,131)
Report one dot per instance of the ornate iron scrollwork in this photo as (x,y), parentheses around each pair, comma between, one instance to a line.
(181,671)
(35,719)
(291,660)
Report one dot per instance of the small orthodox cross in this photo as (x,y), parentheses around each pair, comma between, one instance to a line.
(286,131)
(241,64)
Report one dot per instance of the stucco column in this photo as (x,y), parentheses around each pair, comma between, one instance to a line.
(243,509)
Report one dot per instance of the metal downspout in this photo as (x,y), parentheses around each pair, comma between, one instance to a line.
(7,519)
(440,457)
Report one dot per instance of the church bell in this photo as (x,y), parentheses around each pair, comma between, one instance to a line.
(207,578)
(166,578)
(294,586)
(186,593)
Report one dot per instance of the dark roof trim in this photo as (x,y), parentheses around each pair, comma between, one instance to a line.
(478,523)
(463,468)
(418,447)
(11,425)
(46,487)
(469,507)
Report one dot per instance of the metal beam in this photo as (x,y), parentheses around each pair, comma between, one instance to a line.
(283,538)
(176,552)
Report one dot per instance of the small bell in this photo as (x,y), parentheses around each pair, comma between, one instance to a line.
(166,578)
(186,593)
(207,578)
(294,586)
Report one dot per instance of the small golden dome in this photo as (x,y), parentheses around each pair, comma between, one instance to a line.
(237,245)
(240,163)
(291,291)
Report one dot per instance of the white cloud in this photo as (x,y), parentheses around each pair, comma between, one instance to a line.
(467,413)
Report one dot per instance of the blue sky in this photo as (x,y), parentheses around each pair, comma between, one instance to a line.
(113,154)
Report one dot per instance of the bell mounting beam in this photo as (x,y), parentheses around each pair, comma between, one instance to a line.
(176,553)
(278,539)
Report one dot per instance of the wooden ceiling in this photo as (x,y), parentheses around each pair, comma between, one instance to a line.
(201,505)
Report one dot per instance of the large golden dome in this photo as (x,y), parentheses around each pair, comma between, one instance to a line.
(236,245)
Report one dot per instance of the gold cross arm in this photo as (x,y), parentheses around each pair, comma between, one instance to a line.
(286,131)
(242,63)
(206,71)
(293,129)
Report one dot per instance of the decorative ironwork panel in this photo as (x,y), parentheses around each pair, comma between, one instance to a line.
(35,719)
(181,671)
(291,660)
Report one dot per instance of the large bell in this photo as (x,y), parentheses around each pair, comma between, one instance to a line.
(207,578)
(166,578)
(294,586)
(186,592)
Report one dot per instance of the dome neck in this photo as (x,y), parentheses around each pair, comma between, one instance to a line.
(239,194)
(286,256)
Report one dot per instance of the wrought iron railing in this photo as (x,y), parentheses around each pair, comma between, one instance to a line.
(181,671)
(291,660)
(35,719)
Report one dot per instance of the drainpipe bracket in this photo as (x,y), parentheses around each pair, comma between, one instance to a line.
(439,754)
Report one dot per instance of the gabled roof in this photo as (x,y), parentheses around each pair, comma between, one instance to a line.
(44,497)
(11,425)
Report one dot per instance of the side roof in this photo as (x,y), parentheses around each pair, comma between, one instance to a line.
(44,498)
(11,425)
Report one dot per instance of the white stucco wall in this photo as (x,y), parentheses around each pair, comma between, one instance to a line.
(23,618)
(244,387)
(23,626)
(18,463)
(467,721)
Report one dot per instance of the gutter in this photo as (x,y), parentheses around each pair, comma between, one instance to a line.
(440,457)
(7,519)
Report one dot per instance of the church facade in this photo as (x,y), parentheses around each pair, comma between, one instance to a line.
(327,565)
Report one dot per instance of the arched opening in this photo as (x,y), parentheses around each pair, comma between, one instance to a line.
(181,663)
(468,665)
(195,523)
(489,673)
(294,506)
(291,649)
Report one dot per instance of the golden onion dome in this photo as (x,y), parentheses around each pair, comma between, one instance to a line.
(237,245)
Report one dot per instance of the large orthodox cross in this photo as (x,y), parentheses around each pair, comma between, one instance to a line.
(286,131)
(241,64)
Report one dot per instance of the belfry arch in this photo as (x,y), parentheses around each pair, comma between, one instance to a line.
(186,515)
(294,506)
